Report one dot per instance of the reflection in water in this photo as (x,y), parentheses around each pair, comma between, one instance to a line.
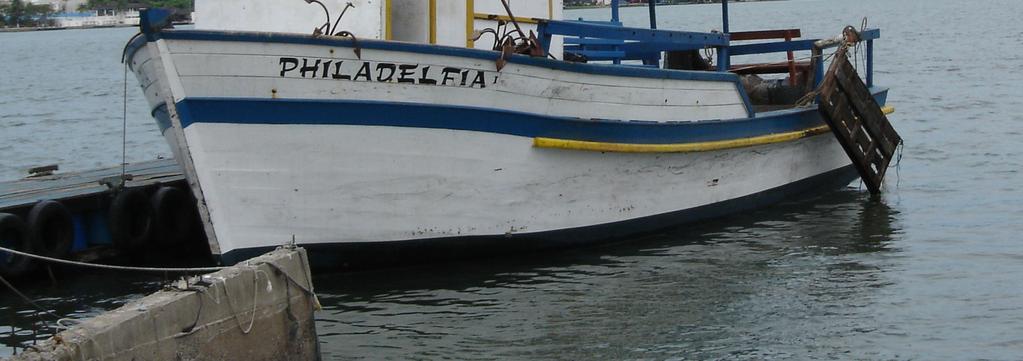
(753,280)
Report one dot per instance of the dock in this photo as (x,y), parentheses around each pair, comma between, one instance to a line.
(261,309)
(78,185)
(94,215)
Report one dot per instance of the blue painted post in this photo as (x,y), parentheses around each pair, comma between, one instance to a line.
(818,73)
(724,16)
(724,61)
(614,11)
(81,239)
(653,13)
(545,36)
(870,63)
(654,60)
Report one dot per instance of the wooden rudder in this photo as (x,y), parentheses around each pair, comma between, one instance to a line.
(858,122)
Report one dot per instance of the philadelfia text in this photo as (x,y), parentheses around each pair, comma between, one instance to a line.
(382,72)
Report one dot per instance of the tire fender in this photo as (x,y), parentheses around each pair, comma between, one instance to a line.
(131,219)
(14,234)
(51,228)
(174,216)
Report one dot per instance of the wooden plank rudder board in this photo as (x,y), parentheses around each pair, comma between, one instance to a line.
(858,122)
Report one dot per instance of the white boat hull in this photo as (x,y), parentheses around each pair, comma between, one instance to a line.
(455,161)
(333,183)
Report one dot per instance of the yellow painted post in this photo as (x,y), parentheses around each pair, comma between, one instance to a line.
(433,21)
(388,33)
(470,23)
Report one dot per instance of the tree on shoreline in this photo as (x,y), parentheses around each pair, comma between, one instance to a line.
(19,13)
(124,4)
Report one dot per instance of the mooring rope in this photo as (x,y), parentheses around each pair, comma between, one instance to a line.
(112,267)
(124,127)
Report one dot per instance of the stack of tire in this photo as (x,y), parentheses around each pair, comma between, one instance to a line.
(165,219)
(136,220)
(48,231)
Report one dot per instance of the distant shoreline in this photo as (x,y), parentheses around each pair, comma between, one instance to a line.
(55,28)
(575,7)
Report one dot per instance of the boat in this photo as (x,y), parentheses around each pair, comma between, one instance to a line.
(427,130)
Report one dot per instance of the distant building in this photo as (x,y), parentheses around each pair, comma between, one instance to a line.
(100,17)
(587,2)
(61,5)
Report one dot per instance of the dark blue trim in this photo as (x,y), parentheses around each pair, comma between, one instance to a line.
(133,46)
(489,55)
(386,113)
(773,47)
(403,253)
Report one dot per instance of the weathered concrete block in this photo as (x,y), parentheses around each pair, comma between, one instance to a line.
(258,310)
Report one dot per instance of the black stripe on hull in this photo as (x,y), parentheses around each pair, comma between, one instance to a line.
(402,253)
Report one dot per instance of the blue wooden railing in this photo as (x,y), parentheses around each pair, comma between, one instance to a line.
(609,41)
(625,43)
(868,36)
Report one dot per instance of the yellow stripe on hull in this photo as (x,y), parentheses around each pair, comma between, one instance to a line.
(553,143)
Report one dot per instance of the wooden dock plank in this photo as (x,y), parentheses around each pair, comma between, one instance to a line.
(28,191)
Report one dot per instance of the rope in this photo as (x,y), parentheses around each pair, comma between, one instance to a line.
(124,127)
(898,164)
(255,301)
(808,99)
(112,267)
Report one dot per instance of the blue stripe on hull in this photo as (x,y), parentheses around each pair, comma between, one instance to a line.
(401,253)
(384,113)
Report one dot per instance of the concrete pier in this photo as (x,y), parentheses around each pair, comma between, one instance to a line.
(261,309)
